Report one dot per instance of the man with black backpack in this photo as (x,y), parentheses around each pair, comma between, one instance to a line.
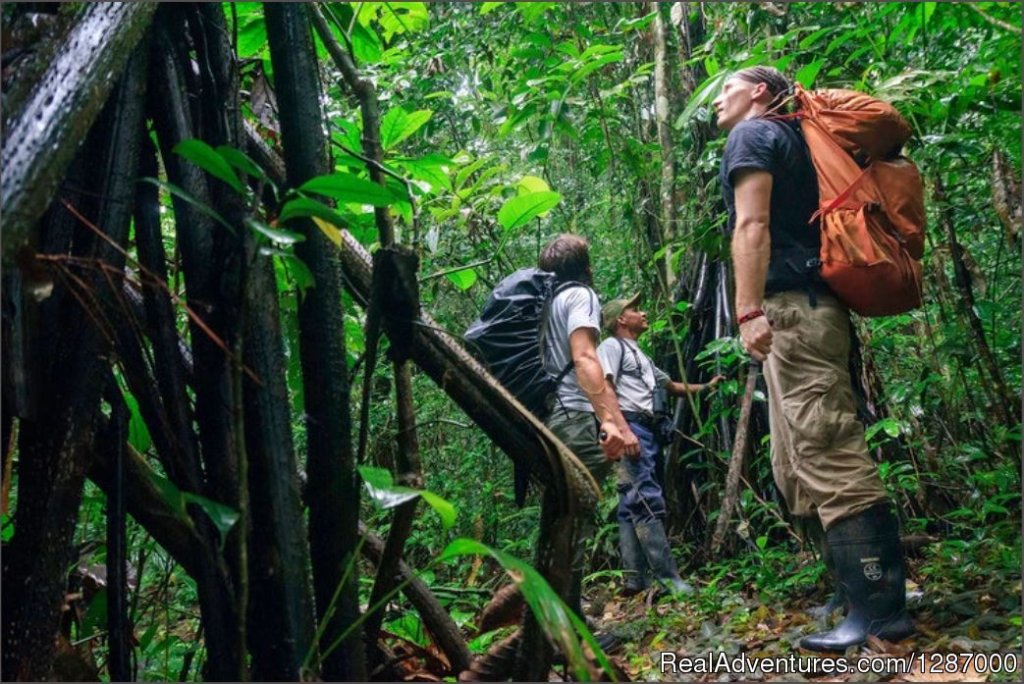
(793,323)
(585,414)
(643,544)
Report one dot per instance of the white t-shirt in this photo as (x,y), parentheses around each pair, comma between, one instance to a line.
(571,309)
(638,376)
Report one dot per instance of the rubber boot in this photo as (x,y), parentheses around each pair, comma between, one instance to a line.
(869,564)
(659,556)
(811,526)
(634,563)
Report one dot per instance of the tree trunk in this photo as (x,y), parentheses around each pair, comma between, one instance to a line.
(199,240)
(43,137)
(662,87)
(57,446)
(333,486)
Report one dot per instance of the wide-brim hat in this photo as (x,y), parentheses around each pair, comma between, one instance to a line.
(611,311)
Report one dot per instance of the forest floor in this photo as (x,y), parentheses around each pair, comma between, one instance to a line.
(975,622)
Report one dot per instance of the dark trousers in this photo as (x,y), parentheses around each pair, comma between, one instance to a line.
(640,497)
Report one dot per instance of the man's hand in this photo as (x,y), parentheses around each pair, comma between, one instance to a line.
(616,442)
(714,381)
(756,335)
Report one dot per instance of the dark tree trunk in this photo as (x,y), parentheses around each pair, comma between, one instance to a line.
(201,241)
(333,489)
(41,140)
(280,614)
(56,448)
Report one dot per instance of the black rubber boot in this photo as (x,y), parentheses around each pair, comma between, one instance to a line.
(811,526)
(869,564)
(635,570)
(659,556)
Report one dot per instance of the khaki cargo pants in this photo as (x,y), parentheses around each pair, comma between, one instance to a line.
(578,431)
(819,456)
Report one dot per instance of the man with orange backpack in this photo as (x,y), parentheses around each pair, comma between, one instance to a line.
(791,320)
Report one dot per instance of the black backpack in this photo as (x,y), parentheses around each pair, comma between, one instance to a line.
(508,336)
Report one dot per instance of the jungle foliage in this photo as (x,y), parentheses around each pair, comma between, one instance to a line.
(211,408)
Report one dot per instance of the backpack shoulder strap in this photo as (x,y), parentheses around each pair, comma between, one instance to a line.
(622,359)
(545,313)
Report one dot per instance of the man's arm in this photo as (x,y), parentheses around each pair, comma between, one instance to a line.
(678,389)
(751,250)
(620,439)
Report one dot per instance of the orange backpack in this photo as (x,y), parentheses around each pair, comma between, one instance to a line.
(871,200)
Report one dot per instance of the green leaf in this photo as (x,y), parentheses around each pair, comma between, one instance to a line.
(488,7)
(468,170)
(184,196)
(346,187)
(463,279)
(223,517)
(138,433)
(300,207)
(518,211)
(241,161)
(299,272)
(252,34)
(528,184)
(403,17)
(397,125)
(434,169)
(703,95)
(207,158)
(383,490)
(442,507)
(808,73)
(559,623)
(169,491)
(366,44)
(532,11)
(593,66)
(278,236)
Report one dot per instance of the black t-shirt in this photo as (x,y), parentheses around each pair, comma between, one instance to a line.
(778,148)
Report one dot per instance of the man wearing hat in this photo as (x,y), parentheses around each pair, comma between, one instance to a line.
(643,543)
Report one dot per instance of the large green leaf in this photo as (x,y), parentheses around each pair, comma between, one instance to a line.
(703,95)
(402,17)
(519,210)
(398,124)
(382,489)
(808,73)
(528,184)
(138,433)
(223,517)
(241,161)
(348,188)
(559,623)
(463,279)
(301,207)
(186,197)
(208,159)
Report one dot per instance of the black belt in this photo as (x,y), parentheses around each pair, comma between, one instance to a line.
(642,419)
